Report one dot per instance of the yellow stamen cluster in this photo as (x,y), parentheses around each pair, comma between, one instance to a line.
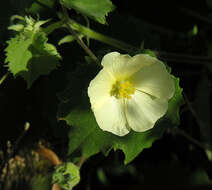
(123,89)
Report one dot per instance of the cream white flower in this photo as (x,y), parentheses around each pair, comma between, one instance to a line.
(130,93)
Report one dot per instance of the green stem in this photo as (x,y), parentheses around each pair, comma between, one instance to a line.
(196,15)
(91,34)
(88,26)
(190,107)
(166,56)
(3,78)
(65,18)
(100,37)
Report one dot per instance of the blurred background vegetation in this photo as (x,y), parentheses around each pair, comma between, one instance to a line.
(180,33)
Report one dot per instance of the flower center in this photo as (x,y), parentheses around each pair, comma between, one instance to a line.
(122,89)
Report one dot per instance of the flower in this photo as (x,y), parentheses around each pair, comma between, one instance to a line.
(130,93)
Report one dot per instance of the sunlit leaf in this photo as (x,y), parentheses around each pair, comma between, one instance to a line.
(29,55)
(94,9)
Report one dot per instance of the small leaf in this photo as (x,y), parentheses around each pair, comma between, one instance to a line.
(66,175)
(94,9)
(193,31)
(16,27)
(68,39)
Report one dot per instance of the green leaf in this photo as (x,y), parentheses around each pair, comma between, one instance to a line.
(16,27)
(86,136)
(174,104)
(91,139)
(68,39)
(29,55)
(193,31)
(94,9)
(18,54)
(66,175)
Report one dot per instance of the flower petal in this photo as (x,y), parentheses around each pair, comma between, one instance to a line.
(115,64)
(109,58)
(142,111)
(100,87)
(111,116)
(154,80)
(123,66)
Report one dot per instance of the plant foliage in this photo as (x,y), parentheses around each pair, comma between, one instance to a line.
(94,9)
(30,55)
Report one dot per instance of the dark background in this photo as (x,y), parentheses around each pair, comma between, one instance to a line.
(173,162)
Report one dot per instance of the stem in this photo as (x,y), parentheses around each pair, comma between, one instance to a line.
(190,107)
(48,154)
(191,139)
(81,161)
(182,61)
(88,26)
(178,57)
(3,78)
(80,42)
(100,37)
(165,56)
(196,15)
(91,34)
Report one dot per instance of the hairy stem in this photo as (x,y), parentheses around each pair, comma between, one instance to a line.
(91,34)
(79,41)
(100,37)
